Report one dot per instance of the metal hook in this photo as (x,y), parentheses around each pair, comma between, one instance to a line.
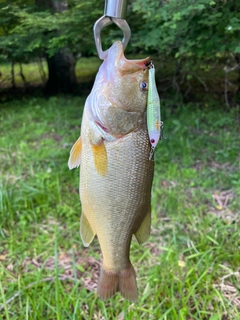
(114,12)
(151,153)
(105,21)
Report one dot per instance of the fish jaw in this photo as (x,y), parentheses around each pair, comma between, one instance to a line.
(117,101)
(124,78)
(116,58)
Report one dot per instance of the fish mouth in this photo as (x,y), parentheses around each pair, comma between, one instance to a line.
(129,66)
(132,66)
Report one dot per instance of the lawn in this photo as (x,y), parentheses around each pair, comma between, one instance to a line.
(190,266)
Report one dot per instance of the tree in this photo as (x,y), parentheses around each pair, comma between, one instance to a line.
(53,32)
(190,31)
(185,31)
(61,65)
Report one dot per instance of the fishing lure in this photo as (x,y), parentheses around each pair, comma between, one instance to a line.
(154,123)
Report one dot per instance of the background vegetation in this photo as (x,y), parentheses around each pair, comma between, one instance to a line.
(190,267)
(194,43)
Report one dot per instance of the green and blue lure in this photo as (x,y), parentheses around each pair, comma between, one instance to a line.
(154,123)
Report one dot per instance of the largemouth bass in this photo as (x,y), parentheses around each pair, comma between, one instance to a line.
(116,173)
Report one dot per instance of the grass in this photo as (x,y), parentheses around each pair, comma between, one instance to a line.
(189,268)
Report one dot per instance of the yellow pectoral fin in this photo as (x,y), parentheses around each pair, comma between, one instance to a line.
(75,154)
(144,231)
(86,231)
(100,158)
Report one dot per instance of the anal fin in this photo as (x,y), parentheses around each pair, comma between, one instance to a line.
(86,231)
(75,154)
(144,231)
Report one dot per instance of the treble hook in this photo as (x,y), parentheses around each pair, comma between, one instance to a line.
(114,12)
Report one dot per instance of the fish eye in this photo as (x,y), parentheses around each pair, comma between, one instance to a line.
(143,85)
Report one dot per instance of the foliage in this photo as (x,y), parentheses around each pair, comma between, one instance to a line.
(200,28)
(27,32)
(191,33)
(184,33)
(189,268)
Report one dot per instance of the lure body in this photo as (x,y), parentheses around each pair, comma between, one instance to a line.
(153,110)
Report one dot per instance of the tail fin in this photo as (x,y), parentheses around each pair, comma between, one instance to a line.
(123,281)
(128,284)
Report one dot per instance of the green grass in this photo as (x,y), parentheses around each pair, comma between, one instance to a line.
(189,268)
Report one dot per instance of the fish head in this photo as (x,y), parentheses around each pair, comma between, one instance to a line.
(127,80)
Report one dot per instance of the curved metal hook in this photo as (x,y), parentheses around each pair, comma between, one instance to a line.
(103,22)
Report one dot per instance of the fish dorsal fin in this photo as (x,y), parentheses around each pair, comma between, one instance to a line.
(75,154)
(86,231)
(144,231)
(100,158)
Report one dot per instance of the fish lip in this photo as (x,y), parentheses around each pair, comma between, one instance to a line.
(129,66)
(138,63)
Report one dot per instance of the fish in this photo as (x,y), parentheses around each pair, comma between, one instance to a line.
(115,171)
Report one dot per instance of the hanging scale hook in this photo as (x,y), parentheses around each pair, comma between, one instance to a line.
(114,12)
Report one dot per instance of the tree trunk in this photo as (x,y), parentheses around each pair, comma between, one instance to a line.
(237,59)
(61,66)
(22,75)
(61,73)
(13,75)
(41,70)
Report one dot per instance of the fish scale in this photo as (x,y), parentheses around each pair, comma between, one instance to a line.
(124,200)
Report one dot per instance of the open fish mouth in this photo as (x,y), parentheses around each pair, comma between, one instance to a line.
(127,66)
(131,66)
